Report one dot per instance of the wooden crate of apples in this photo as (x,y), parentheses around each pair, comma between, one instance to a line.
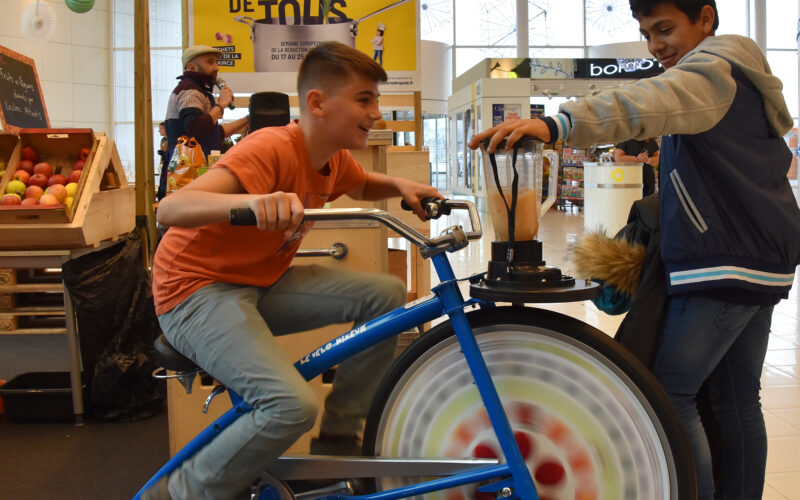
(46,175)
(62,188)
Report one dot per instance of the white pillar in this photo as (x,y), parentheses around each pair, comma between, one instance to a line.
(522,28)
(760,24)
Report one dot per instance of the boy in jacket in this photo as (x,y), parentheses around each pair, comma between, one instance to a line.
(729,221)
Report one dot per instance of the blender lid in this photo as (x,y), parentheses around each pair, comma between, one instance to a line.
(502,145)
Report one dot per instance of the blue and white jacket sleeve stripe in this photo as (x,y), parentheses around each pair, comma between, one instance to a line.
(559,126)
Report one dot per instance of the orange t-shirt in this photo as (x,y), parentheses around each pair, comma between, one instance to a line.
(268,160)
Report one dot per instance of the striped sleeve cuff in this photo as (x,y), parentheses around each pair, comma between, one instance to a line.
(559,126)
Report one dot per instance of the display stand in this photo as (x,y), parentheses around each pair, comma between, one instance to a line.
(14,311)
(44,238)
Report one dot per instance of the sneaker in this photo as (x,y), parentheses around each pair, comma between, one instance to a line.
(326,444)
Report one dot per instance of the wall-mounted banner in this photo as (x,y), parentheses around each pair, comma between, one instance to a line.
(273,36)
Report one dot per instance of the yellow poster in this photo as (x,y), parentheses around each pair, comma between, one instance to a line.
(265,36)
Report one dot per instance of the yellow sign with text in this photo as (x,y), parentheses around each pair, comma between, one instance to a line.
(274,35)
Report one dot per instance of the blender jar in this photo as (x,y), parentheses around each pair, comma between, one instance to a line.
(526,158)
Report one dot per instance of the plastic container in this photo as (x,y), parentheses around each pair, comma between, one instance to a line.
(526,159)
(609,190)
(38,397)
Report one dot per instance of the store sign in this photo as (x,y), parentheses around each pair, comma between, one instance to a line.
(630,67)
(569,69)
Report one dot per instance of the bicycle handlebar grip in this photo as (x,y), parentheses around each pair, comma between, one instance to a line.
(242,217)
(434,207)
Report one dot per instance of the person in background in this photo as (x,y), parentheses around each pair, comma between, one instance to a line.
(192,109)
(377,44)
(645,152)
(223,292)
(162,154)
(728,218)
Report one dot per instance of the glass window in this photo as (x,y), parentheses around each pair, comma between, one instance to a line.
(610,21)
(783,64)
(436,20)
(555,22)
(548,52)
(124,138)
(486,22)
(165,65)
(732,17)
(469,57)
(782,24)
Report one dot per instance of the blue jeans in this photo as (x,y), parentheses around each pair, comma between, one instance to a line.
(229,331)
(724,344)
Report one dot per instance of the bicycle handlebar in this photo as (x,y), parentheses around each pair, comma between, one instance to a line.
(246,217)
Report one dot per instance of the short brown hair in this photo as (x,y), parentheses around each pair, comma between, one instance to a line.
(330,63)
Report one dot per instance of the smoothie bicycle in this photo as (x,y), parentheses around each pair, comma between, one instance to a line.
(495,402)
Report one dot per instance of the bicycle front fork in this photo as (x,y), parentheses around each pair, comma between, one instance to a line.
(520,485)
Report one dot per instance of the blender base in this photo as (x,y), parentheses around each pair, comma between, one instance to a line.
(532,293)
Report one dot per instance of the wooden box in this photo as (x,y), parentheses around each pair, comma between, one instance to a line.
(103,206)
(60,148)
(9,158)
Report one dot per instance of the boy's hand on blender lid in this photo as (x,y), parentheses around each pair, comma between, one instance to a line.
(511,131)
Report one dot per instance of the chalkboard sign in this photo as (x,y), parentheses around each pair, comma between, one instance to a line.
(21,101)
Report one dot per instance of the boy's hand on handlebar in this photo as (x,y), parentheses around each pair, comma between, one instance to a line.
(512,131)
(413,192)
(278,211)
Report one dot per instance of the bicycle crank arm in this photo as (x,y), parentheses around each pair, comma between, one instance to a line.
(332,467)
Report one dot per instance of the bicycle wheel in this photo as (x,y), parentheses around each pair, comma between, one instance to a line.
(590,420)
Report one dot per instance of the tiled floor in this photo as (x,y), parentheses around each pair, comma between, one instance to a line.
(781,376)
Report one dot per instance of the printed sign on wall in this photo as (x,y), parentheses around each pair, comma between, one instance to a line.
(273,36)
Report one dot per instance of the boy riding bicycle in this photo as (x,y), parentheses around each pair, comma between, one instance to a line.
(728,219)
(223,292)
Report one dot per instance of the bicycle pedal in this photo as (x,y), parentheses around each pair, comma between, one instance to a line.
(216,391)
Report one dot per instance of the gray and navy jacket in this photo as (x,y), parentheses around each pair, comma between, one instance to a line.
(187,114)
(729,219)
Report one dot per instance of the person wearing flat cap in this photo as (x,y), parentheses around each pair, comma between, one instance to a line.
(192,109)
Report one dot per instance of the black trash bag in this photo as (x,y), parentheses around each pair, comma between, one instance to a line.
(117,324)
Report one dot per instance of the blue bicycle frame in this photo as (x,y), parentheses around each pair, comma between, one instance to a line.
(447,299)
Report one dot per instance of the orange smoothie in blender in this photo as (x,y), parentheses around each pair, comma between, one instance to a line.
(526,222)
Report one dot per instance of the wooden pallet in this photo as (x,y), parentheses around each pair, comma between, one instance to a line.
(31,302)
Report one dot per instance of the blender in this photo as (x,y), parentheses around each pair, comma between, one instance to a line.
(517,273)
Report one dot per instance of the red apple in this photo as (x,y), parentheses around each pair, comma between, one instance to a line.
(29,154)
(11,199)
(78,165)
(84,154)
(38,180)
(26,165)
(57,190)
(34,192)
(22,175)
(74,176)
(49,199)
(56,179)
(29,201)
(43,168)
